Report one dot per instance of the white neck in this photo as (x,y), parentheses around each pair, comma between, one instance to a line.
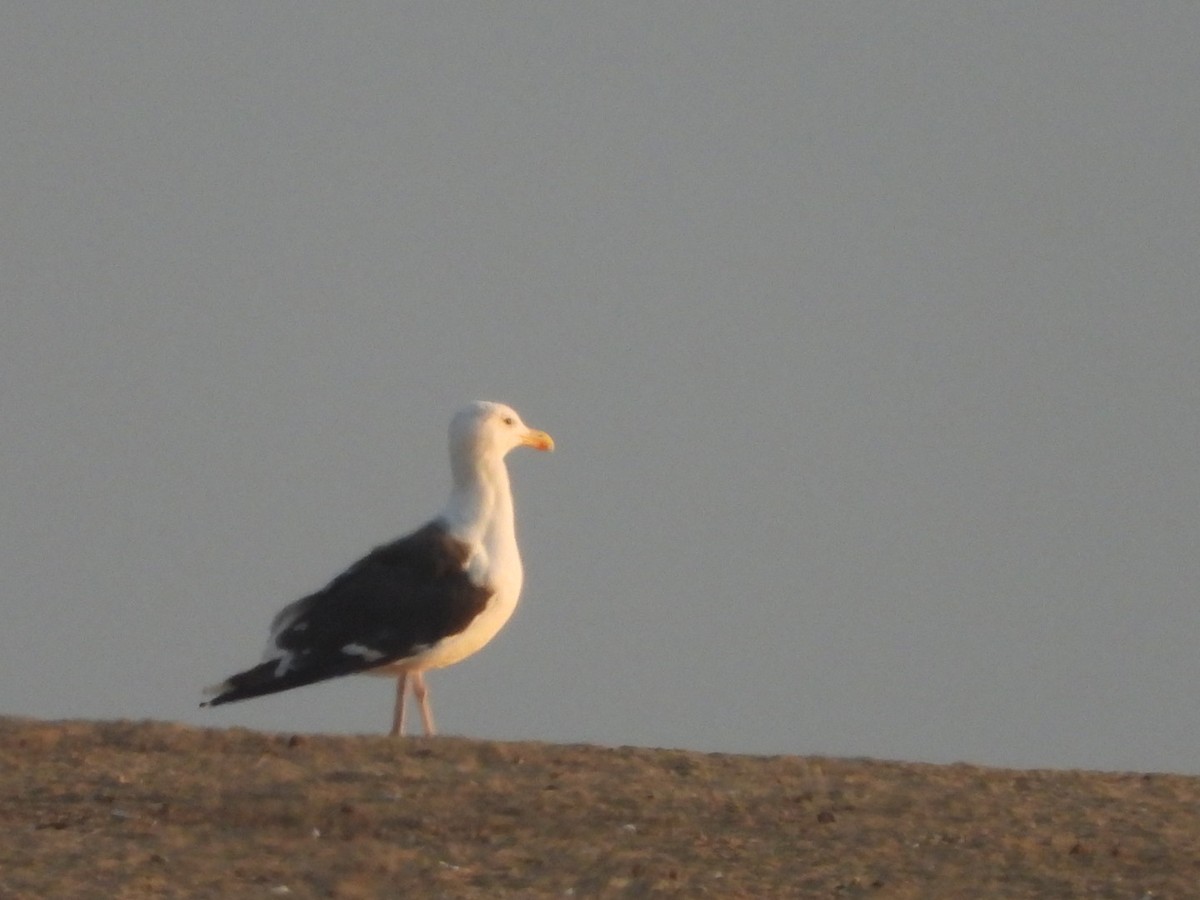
(480,508)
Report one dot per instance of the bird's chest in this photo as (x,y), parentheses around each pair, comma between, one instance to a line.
(499,568)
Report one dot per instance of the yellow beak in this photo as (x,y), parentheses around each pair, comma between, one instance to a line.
(538,440)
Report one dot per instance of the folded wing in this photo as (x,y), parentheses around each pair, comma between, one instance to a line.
(393,604)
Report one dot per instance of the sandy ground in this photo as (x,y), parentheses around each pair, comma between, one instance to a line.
(150,809)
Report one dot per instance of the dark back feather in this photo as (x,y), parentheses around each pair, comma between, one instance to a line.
(397,600)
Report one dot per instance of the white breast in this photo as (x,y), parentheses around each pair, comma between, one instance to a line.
(480,513)
(503,571)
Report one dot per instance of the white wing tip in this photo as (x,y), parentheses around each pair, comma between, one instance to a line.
(214,690)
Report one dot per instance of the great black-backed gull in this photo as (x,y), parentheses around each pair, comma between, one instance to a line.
(424,601)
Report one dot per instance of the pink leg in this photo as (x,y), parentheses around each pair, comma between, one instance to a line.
(422,694)
(398,712)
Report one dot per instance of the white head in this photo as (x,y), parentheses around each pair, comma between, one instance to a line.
(484,429)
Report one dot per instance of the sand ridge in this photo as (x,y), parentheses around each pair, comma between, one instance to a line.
(155,809)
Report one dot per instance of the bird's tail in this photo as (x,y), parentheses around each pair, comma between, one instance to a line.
(265,678)
(214,691)
(283,674)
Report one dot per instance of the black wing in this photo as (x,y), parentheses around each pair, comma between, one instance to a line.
(394,602)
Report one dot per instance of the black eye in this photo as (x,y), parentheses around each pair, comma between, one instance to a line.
(508,420)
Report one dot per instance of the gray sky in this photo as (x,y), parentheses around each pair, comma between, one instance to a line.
(869,334)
